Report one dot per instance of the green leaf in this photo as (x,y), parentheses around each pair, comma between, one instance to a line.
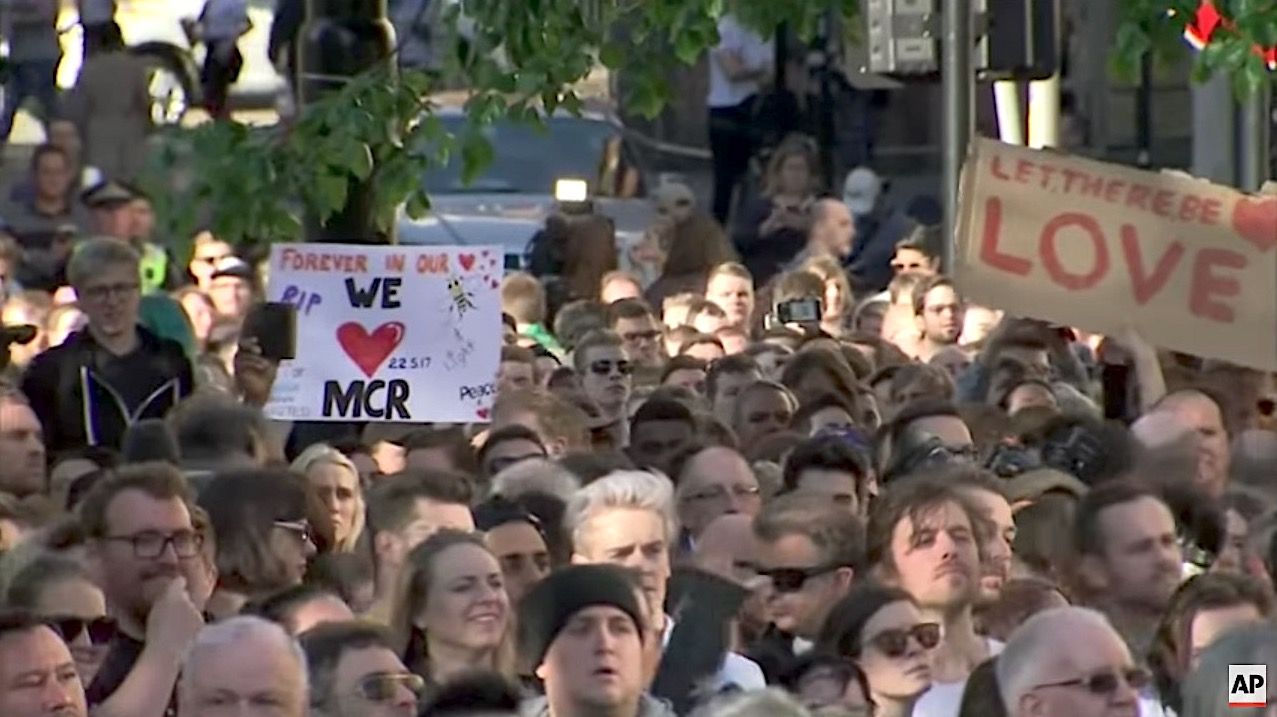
(330,194)
(418,205)
(612,55)
(476,155)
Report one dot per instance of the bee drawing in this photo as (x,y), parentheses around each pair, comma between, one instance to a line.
(462,299)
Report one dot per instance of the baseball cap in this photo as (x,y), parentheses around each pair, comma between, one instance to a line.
(861,189)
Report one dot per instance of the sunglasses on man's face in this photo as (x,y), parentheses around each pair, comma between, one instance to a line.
(1107,682)
(101,630)
(603,367)
(895,643)
(384,687)
(792,580)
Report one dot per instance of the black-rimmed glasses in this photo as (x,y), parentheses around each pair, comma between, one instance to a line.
(149,544)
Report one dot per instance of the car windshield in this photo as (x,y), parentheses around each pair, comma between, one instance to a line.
(527,160)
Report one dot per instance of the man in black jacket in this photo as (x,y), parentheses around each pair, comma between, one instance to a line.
(113,373)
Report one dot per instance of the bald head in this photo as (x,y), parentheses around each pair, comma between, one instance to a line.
(248,657)
(832,228)
(1202,415)
(727,542)
(1255,458)
(1055,646)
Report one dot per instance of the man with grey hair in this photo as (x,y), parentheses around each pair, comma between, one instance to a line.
(1069,662)
(627,518)
(113,373)
(246,662)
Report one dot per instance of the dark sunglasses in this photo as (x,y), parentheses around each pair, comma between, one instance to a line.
(791,580)
(1267,407)
(603,367)
(384,687)
(1107,682)
(101,630)
(895,643)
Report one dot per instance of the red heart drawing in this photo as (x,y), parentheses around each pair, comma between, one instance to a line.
(482,413)
(369,351)
(467,261)
(1255,219)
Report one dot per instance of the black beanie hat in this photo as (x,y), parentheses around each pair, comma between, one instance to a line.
(553,601)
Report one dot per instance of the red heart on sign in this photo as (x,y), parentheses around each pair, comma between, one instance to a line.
(467,261)
(369,351)
(1255,219)
(482,413)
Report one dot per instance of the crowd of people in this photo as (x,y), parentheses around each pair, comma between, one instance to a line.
(756,482)
(776,465)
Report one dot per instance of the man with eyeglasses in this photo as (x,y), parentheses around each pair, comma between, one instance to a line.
(713,481)
(354,672)
(939,311)
(922,434)
(143,540)
(89,390)
(634,322)
(809,552)
(1068,662)
(606,371)
(244,666)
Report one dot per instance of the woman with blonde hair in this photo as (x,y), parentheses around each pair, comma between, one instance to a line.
(333,480)
(452,614)
(772,228)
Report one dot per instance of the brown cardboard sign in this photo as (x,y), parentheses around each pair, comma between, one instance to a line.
(1189,263)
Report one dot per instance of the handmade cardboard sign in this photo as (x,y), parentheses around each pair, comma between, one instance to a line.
(1188,263)
(388,333)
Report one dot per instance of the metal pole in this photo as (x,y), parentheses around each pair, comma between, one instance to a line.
(1010,110)
(959,90)
(1044,112)
(1253,138)
(1214,142)
(1144,113)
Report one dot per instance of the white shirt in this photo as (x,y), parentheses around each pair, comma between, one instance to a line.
(753,50)
(224,19)
(736,671)
(944,698)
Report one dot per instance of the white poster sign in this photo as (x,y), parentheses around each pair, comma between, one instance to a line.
(388,333)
